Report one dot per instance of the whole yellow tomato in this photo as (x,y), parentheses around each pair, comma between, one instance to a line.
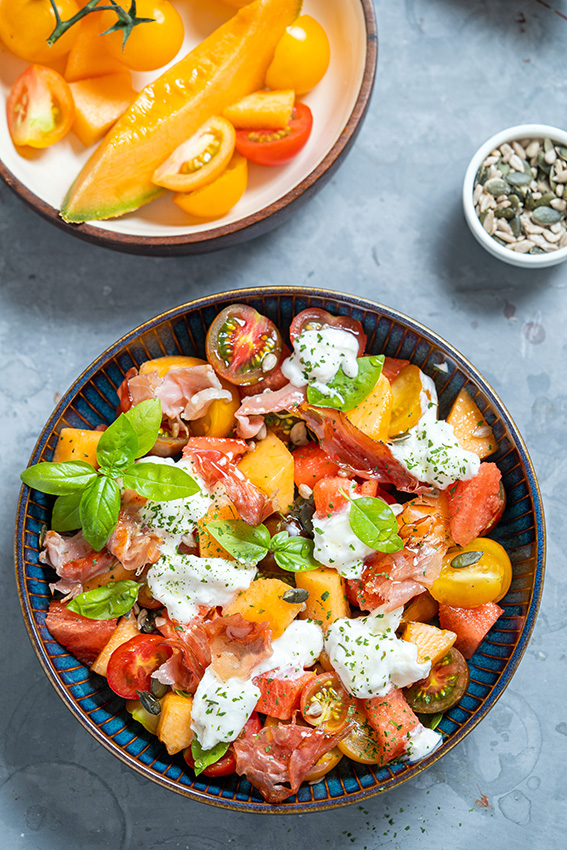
(301,58)
(25,26)
(150,45)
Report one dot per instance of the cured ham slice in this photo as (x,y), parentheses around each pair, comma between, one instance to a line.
(185,394)
(392,580)
(237,645)
(74,560)
(250,414)
(346,444)
(277,759)
(84,638)
(130,545)
(191,655)
(215,462)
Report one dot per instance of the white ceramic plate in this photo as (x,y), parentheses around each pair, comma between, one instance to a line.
(335,103)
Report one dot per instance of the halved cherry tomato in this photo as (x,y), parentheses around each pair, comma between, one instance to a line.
(150,45)
(217,199)
(227,764)
(314,319)
(276,147)
(40,108)
(301,58)
(242,345)
(326,703)
(406,400)
(25,26)
(200,160)
(361,744)
(443,688)
(486,580)
(131,665)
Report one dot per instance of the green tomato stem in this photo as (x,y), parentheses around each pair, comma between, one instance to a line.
(126,22)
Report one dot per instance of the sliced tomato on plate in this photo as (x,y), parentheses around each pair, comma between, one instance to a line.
(40,108)
(131,665)
(326,703)
(243,346)
(276,147)
(444,687)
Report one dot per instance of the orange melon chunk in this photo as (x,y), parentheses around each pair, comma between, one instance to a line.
(99,103)
(208,546)
(432,643)
(174,727)
(471,429)
(77,444)
(263,603)
(126,629)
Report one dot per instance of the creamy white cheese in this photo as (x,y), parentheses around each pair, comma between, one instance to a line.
(368,656)
(183,582)
(220,709)
(300,646)
(430,451)
(421,742)
(318,355)
(337,546)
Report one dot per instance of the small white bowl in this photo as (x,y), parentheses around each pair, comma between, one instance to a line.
(522,131)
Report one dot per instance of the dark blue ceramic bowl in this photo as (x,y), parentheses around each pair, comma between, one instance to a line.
(92,400)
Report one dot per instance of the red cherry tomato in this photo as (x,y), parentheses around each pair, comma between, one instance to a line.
(131,665)
(242,345)
(40,108)
(326,703)
(314,318)
(276,147)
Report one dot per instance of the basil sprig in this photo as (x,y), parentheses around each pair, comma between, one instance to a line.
(249,544)
(346,393)
(90,498)
(204,758)
(103,603)
(374,522)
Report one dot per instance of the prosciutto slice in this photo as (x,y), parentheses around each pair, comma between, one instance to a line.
(191,655)
(277,759)
(185,394)
(392,580)
(74,561)
(250,414)
(215,462)
(237,645)
(130,545)
(346,444)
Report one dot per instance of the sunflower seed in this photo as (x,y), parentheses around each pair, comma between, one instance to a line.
(519,149)
(477,194)
(558,204)
(517,163)
(305,491)
(557,227)
(560,189)
(503,226)
(506,237)
(550,156)
(546,215)
(483,431)
(497,187)
(563,241)
(488,223)
(298,434)
(533,149)
(552,238)
(523,247)
(491,160)
(561,178)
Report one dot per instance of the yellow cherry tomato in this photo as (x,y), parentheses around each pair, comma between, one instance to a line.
(25,26)
(406,400)
(361,744)
(372,416)
(199,160)
(301,58)
(486,580)
(150,45)
(218,198)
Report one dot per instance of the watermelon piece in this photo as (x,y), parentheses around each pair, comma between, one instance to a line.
(311,464)
(328,497)
(474,504)
(471,625)
(280,697)
(392,719)
(84,638)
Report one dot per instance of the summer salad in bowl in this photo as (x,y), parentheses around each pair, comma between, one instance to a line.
(293,545)
(164,126)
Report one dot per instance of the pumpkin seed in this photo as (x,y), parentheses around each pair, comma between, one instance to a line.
(496,186)
(542,163)
(545,200)
(562,152)
(149,702)
(482,175)
(516,225)
(529,202)
(514,201)
(500,241)
(505,212)
(295,595)
(546,215)
(466,559)
(158,690)
(537,250)
(148,626)
(547,145)
(519,178)
(503,167)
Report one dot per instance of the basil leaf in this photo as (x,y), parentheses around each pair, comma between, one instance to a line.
(118,445)
(99,509)
(159,482)
(66,515)
(294,554)
(374,522)
(432,721)
(204,758)
(145,419)
(103,603)
(346,393)
(59,478)
(242,541)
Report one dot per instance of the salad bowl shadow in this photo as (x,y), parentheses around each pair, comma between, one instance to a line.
(92,400)
(339,104)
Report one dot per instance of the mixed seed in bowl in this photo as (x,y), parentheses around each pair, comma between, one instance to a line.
(520,195)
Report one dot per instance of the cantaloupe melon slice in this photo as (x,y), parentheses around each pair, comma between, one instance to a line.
(226,66)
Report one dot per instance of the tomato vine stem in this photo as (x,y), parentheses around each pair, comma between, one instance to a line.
(126,20)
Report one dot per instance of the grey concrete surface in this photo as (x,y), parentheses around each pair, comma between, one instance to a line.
(390,227)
